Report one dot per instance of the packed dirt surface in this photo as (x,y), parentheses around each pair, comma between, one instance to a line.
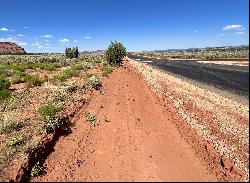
(134,139)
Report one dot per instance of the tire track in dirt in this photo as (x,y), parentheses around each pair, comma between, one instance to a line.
(132,141)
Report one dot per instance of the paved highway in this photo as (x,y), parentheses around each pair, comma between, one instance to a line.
(234,79)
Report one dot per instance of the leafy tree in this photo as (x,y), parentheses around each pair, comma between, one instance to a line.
(115,53)
(71,52)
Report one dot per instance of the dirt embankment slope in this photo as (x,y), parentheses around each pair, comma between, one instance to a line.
(134,140)
(215,126)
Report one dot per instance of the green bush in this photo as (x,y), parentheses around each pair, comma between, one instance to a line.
(17,80)
(33,80)
(68,74)
(71,52)
(4,91)
(48,110)
(106,70)
(7,125)
(115,53)
(15,141)
(91,119)
(4,83)
(51,124)
(93,81)
(36,170)
(4,94)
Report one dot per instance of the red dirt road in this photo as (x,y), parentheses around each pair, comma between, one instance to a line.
(132,141)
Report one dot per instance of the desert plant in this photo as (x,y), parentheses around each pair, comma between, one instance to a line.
(93,81)
(71,52)
(4,83)
(4,91)
(8,125)
(68,73)
(36,170)
(51,124)
(115,53)
(15,141)
(91,119)
(48,110)
(33,80)
(106,70)
(4,94)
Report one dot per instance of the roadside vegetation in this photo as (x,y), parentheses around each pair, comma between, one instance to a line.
(39,92)
(203,55)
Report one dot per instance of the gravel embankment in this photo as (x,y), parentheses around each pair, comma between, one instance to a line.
(217,119)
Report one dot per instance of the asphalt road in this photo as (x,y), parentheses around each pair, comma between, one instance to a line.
(234,79)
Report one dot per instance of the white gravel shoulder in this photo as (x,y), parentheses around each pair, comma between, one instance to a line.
(225,114)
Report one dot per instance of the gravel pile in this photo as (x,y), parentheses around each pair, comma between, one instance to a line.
(217,119)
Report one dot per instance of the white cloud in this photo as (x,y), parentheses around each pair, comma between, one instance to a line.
(4,29)
(40,46)
(195,31)
(222,34)
(87,37)
(47,44)
(233,27)
(239,33)
(26,27)
(20,35)
(22,44)
(35,44)
(75,41)
(11,39)
(65,40)
(11,30)
(47,36)
(8,39)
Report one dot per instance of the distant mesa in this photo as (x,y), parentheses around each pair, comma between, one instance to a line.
(11,48)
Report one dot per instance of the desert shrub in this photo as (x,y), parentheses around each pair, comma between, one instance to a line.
(33,80)
(106,70)
(4,83)
(68,74)
(16,67)
(71,52)
(51,124)
(15,141)
(91,119)
(115,53)
(5,72)
(78,67)
(36,170)
(4,91)
(13,103)
(93,81)
(49,66)
(17,80)
(48,110)
(4,94)
(7,125)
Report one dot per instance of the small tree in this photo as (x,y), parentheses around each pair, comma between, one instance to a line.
(115,53)
(71,52)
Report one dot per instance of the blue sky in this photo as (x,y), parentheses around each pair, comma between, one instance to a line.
(51,25)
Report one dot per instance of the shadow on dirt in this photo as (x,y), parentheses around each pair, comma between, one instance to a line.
(41,153)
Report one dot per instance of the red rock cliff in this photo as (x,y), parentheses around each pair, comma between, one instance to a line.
(8,47)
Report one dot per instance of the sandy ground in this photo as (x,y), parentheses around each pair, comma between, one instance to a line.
(135,139)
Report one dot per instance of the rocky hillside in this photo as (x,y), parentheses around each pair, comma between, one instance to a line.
(13,48)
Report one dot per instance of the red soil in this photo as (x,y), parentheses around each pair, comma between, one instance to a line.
(133,140)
